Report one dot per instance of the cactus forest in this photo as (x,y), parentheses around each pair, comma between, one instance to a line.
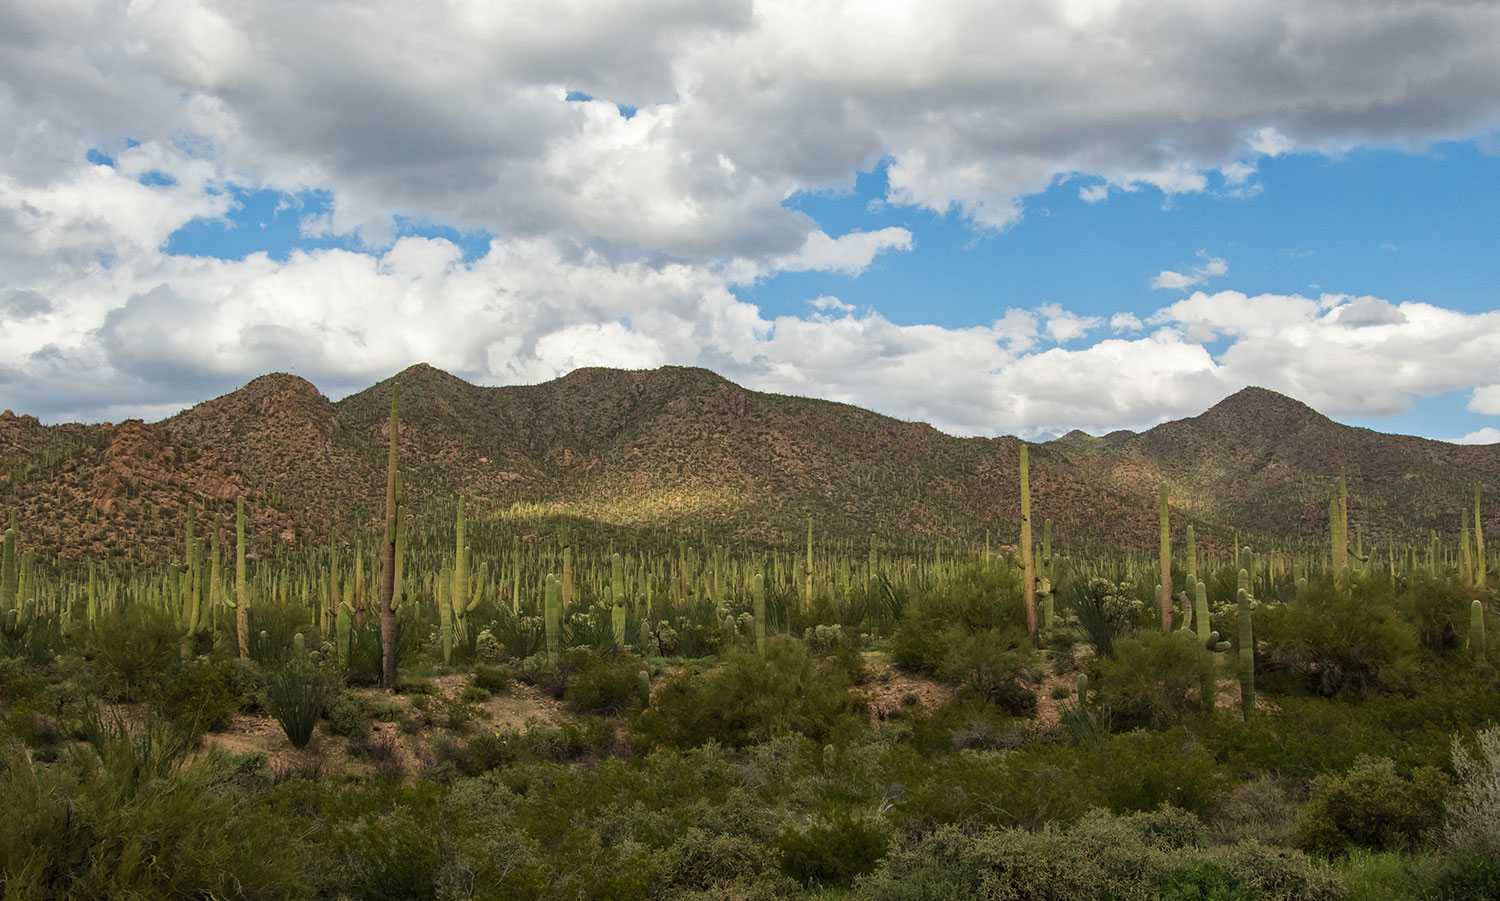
(464,697)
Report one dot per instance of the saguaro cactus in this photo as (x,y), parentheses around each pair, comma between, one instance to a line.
(1028,564)
(758,595)
(1166,560)
(10,576)
(552,619)
(1476,631)
(617,611)
(1247,649)
(389,561)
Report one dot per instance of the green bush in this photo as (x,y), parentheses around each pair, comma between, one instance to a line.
(496,680)
(280,621)
(112,824)
(989,665)
(749,699)
(603,684)
(976,599)
(1154,679)
(197,696)
(131,646)
(832,849)
(1337,640)
(1372,806)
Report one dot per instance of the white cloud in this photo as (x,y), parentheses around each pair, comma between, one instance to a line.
(1486,435)
(1211,267)
(848,254)
(619,240)
(1486,400)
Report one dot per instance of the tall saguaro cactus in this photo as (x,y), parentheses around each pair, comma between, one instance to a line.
(1247,649)
(388,570)
(1028,564)
(241,587)
(552,620)
(1479,569)
(758,593)
(1166,560)
(10,576)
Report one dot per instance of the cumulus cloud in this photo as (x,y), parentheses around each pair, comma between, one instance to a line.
(621,240)
(1486,435)
(1211,267)
(1486,400)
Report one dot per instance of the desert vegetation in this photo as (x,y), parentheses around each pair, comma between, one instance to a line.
(503,700)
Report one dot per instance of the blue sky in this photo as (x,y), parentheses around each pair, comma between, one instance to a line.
(997,220)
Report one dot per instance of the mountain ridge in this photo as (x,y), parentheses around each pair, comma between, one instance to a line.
(684,448)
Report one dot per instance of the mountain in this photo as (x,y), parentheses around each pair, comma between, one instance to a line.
(683,448)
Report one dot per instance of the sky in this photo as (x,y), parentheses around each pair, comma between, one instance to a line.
(996,217)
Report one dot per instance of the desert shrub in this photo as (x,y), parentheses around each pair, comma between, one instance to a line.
(750,698)
(1463,876)
(273,628)
(976,599)
(606,684)
(1473,823)
(1154,679)
(1381,876)
(1102,856)
(832,849)
(1254,871)
(294,697)
(347,717)
(494,679)
(1337,640)
(197,695)
(1372,806)
(1256,809)
(989,664)
(120,820)
(1106,608)
(131,646)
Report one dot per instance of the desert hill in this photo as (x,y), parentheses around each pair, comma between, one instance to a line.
(683,448)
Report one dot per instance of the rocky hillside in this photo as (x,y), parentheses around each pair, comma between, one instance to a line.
(684,448)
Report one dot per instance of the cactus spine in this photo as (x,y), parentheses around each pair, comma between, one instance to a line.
(1028,565)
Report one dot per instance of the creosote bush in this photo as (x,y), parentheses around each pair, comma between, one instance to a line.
(1373,806)
(749,699)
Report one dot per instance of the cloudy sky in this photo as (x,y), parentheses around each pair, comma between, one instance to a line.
(1002,217)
